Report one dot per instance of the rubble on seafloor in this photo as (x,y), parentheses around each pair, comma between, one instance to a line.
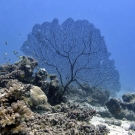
(24,107)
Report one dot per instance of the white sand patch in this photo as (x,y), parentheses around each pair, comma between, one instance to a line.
(114,130)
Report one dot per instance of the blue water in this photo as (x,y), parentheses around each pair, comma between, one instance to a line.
(116,21)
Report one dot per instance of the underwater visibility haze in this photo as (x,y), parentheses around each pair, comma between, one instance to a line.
(55,55)
(114,20)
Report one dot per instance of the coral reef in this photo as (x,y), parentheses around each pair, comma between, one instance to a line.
(40,76)
(85,93)
(12,117)
(16,117)
(24,107)
(37,99)
(13,110)
(21,70)
(37,96)
(128,97)
(62,124)
(120,109)
(55,91)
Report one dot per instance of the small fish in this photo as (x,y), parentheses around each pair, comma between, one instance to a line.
(48,75)
(22,76)
(15,52)
(20,57)
(89,100)
(30,102)
(6,43)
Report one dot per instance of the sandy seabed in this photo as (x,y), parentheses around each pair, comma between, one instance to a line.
(114,130)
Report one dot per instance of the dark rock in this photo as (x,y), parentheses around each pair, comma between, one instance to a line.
(94,96)
(131,106)
(128,97)
(40,77)
(114,122)
(105,113)
(53,77)
(121,109)
(45,87)
(21,70)
(132,126)
(114,106)
(100,97)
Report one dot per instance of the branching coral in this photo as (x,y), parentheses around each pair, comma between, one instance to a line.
(11,118)
(13,110)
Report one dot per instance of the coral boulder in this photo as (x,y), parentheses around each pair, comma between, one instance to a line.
(37,96)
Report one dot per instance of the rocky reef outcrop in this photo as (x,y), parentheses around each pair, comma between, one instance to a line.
(21,70)
(26,101)
(123,109)
(94,96)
